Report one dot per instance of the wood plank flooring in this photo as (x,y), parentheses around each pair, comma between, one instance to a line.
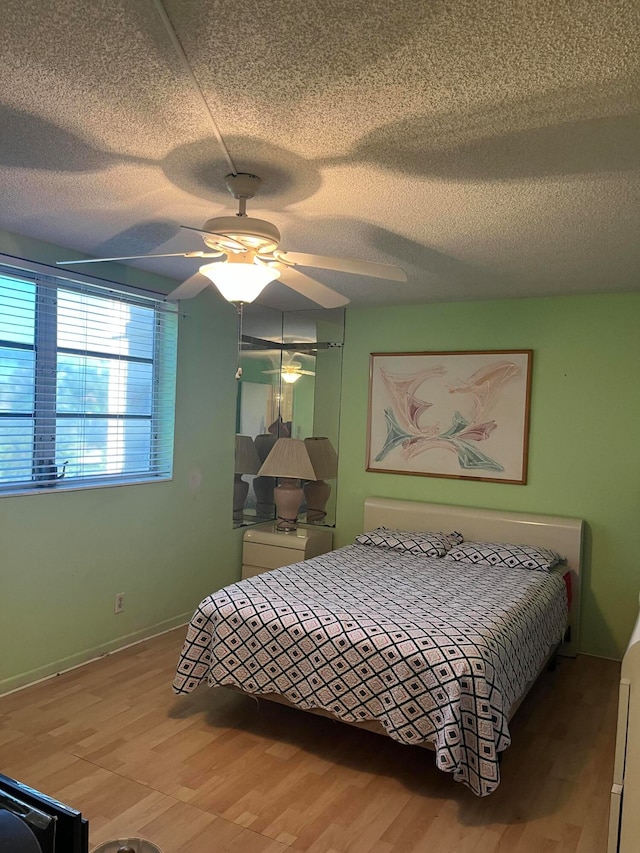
(216,771)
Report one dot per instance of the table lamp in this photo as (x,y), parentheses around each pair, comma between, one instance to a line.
(247,461)
(325,464)
(289,461)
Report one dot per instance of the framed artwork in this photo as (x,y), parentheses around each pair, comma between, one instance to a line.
(462,415)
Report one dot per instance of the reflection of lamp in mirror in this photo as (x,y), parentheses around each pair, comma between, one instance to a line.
(289,460)
(247,462)
(325,464)
(264,486)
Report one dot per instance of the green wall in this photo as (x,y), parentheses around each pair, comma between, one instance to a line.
(166,545)
(65,555)
(584,454)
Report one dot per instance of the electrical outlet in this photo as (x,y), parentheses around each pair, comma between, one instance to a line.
(119,603)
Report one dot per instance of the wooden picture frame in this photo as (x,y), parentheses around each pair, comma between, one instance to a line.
(460,415)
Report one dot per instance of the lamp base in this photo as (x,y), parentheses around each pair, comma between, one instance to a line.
(288,497)
(317,494)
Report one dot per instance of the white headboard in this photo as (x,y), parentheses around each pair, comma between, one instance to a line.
(563,535)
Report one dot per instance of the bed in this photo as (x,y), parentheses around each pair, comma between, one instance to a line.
(427,650)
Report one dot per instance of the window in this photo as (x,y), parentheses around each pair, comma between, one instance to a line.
(87,384)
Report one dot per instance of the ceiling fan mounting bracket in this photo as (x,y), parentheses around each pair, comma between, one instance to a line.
(243,185)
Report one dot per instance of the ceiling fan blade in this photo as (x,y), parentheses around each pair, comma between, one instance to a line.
(309,287)
(189,288)
(136,257)
(386,271)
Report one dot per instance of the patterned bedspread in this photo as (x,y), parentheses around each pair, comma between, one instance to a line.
(432,649)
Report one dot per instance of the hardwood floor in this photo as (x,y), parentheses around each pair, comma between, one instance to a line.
(215,771)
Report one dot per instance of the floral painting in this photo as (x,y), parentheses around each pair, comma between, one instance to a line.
(450,414)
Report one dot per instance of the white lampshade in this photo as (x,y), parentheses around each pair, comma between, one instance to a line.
(288,458)
(247,460)
(239,278)
(323,457)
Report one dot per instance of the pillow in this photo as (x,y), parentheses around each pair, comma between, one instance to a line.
(502,554)
(414,542)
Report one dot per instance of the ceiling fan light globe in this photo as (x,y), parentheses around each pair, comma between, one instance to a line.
(290,377)
(239,282)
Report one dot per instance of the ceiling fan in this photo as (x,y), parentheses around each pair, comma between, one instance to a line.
(290,371)
(251,259)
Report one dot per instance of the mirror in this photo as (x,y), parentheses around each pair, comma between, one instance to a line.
(290,388)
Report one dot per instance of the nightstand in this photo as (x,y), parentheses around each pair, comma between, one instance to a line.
(265,548)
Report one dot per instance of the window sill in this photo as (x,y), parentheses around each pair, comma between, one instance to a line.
(82,487)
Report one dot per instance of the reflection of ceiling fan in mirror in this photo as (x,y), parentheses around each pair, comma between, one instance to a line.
(291,372)
(249,258)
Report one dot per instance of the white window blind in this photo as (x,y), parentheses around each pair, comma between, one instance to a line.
(87,384)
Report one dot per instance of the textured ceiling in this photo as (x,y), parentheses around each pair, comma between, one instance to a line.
(491,149)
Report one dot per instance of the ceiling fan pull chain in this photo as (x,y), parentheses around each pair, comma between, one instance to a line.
(239,306)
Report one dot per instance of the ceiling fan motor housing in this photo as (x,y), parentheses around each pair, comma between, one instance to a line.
(256,234)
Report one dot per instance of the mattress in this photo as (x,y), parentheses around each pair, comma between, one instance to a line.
(435,651)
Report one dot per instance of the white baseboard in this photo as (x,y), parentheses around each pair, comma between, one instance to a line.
(51,670)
